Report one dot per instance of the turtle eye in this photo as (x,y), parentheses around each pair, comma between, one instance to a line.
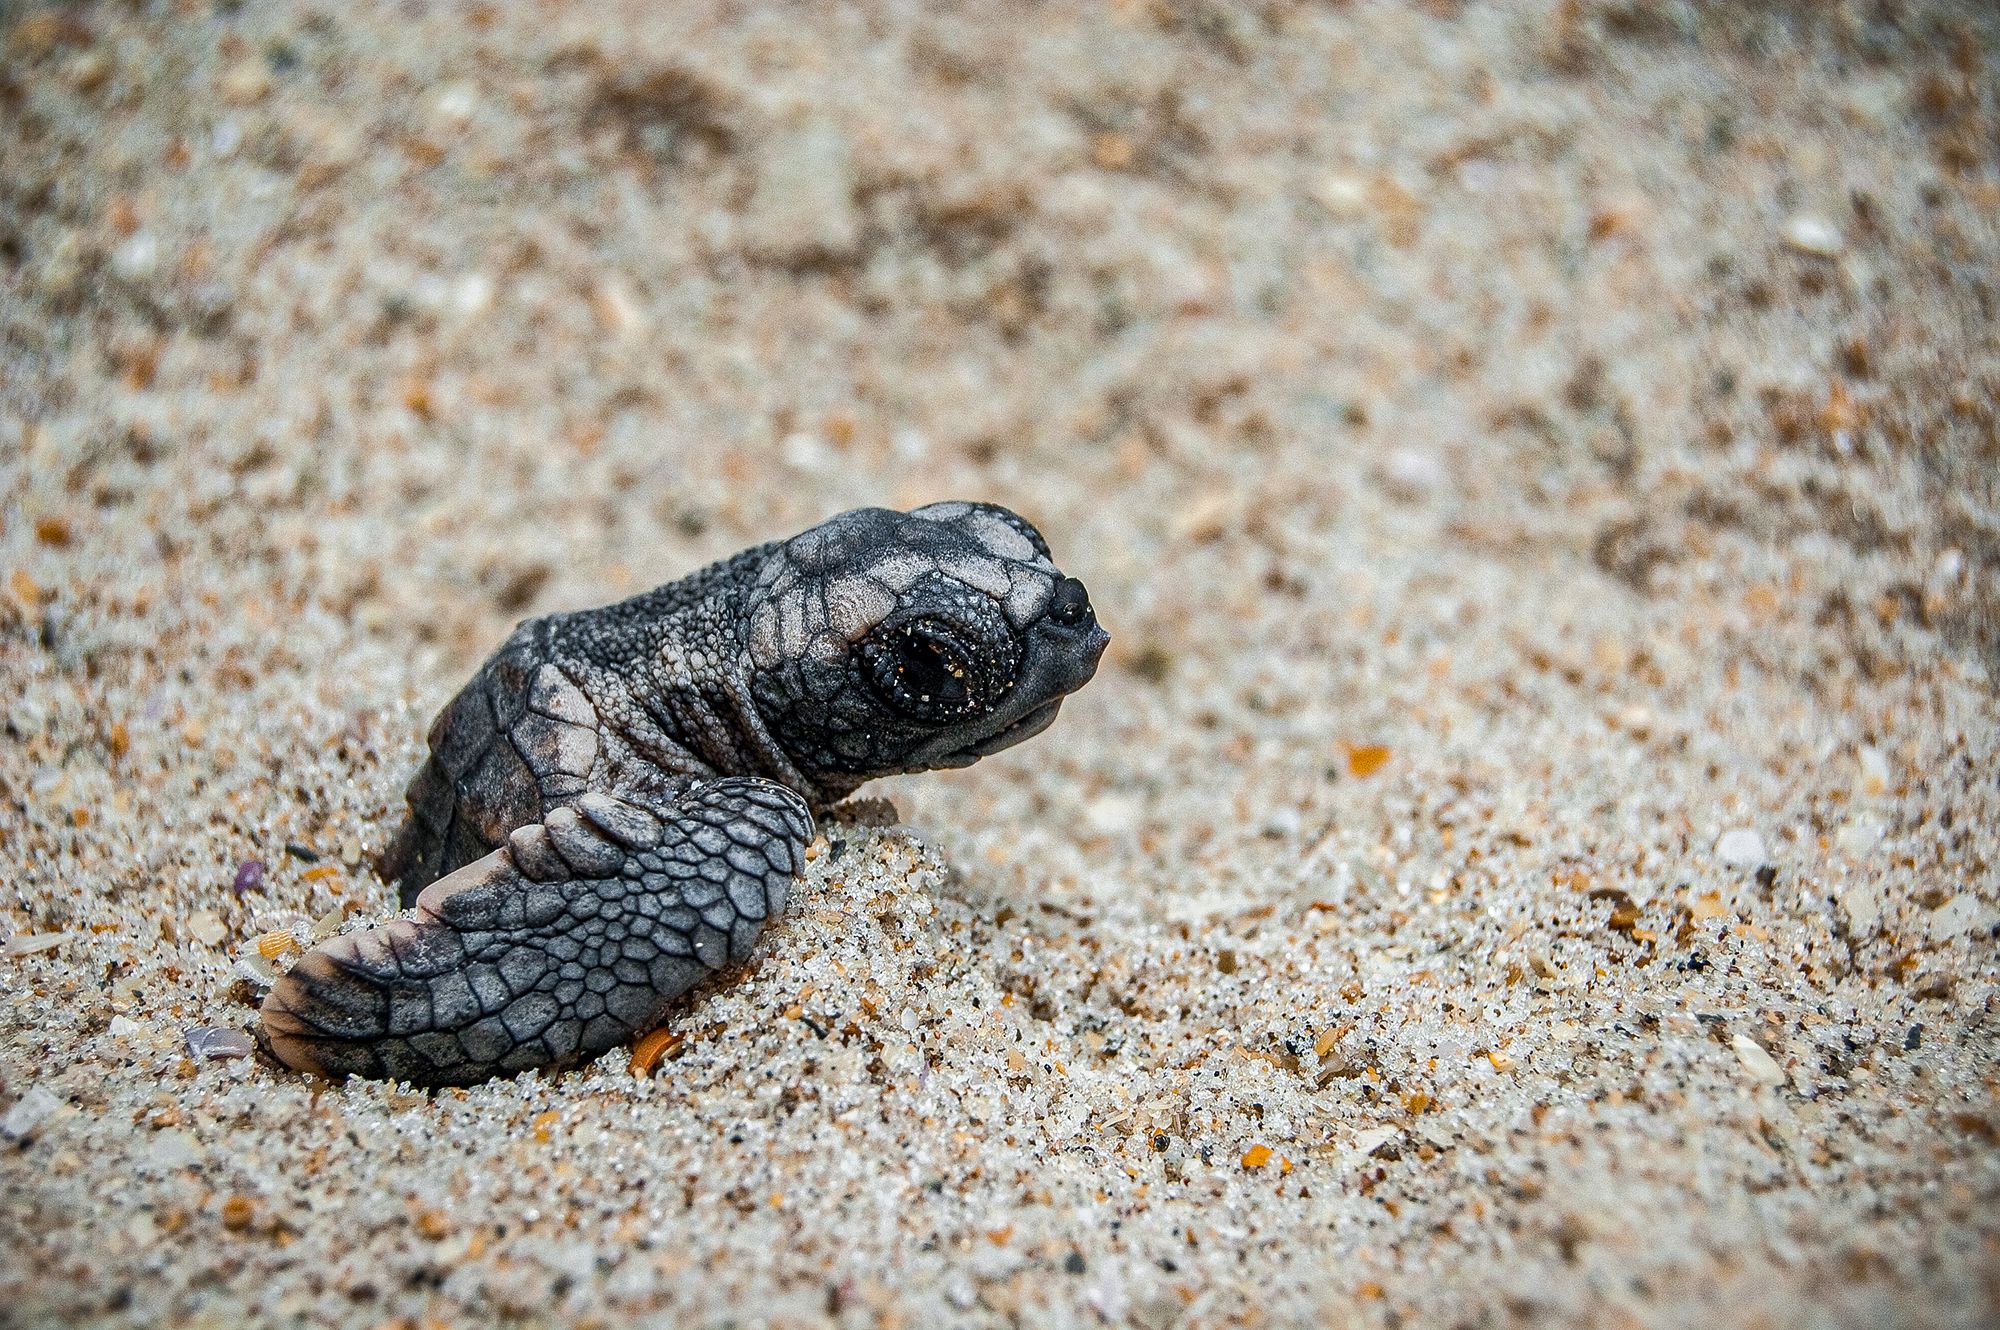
(923,669)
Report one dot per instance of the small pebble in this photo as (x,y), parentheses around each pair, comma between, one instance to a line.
(803,451)
(137,258)
(87,72)
(1761,1066)
(1857,836)
(1410,474)
(245,82)
(1373,1139)
(172,1150)
(617,309)
(802,206)
(1741,847)
(1205,518)
(455,102)
(142,1230)
(1808,234)
(1963,914)
(204,927)
(30,1112)
(1283,822)
(1364,760)
(1872,780)
(237,1213)
(29,944)
(1113,814)
(1861,905)
(1343,196)
(212,1042)
(249,877)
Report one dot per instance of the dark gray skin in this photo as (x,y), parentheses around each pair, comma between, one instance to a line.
(621,797)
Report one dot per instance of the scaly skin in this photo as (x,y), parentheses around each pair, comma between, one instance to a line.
(621,797)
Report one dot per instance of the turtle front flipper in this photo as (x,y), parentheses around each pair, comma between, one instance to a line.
(518,741)
(572,938)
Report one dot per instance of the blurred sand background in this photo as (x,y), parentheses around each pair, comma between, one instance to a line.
(1530,857)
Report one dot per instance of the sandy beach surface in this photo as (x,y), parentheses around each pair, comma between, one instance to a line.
(1532,855)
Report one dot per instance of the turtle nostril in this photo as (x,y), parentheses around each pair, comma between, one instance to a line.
(1072,603)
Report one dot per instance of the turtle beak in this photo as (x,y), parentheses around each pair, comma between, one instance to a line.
(1027,727)
(1066,646)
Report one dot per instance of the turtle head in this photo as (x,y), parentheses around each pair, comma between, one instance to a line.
(881,642)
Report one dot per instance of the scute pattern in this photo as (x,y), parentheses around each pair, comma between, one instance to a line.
(502,967)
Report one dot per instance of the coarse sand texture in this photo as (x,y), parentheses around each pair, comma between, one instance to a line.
(1531,852)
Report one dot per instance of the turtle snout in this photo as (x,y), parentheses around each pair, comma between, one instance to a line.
(1071,610)
(1071,640)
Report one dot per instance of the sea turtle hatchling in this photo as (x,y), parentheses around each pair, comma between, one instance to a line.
(621,797)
